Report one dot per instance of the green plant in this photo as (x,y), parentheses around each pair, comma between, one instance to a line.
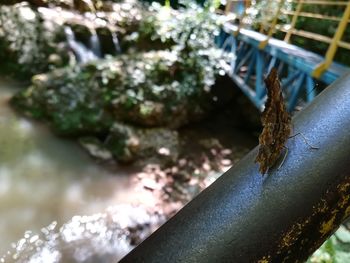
(335,250)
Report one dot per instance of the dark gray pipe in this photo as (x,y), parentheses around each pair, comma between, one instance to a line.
(280,217)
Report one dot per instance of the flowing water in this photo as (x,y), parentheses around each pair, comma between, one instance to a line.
(95,45)
(81,52)
(44,178)
(115,39)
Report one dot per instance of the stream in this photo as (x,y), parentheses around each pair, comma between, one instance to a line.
(45,179)
(59,205)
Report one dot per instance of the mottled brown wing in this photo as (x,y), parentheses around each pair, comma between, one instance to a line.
(276,124)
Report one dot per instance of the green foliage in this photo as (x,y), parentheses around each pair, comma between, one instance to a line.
(163,79)
(71,107)
(335,250)
(191,28)
(25,42)
(264,11)
(148,89)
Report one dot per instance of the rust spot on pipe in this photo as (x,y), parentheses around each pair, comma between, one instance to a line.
(327,226)
(312,231)
(265,259)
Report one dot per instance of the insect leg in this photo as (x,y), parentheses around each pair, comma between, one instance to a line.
(284,157)
(305,140)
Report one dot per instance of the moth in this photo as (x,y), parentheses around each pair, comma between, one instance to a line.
(276,122)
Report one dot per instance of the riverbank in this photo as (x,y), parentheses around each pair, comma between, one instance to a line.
(143,89)
(45,178)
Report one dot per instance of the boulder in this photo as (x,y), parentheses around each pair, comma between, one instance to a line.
(26,41)
(84,6)
(81,31)
(128,144)
(109,41)
(108,98)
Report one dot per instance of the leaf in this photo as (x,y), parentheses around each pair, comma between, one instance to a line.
(342,257)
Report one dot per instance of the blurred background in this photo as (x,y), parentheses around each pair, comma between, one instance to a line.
(115,114)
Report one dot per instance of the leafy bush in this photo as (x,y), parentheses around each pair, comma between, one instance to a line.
(150,89)
(26,43)
(335,249)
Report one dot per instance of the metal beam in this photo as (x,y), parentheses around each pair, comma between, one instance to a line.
(280,217)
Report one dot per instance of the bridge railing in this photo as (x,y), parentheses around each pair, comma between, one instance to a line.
(259,39)
(271,25)
(293,9)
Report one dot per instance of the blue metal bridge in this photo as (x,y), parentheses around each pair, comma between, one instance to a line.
(255,53)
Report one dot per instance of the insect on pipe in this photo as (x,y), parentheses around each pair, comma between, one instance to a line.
(277,126)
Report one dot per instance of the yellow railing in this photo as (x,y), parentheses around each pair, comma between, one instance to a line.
(332,49)
(271,26)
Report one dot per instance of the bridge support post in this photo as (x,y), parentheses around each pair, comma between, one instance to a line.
(280,217)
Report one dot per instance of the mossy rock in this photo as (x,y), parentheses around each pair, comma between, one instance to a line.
(70,108)
(84,6)
(27,42)
(82,32)
(154,89)
(127,144)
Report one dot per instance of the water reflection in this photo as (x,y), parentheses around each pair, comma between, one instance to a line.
(44,178)
(103,237)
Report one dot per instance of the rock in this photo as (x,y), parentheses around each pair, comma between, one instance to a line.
(211,144)
(182,176)
(42,3)
(84,6)
(226,152)
(226,162)
(149,184)
(109,41)
(32,2)
(164,151)
(128,143)
(155,91)
(55,60)
(95,148)
(26,41)
(68,107)
(81,31)
(29,34)
(41,80)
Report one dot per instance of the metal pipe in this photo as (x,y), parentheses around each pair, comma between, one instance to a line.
(280,217)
